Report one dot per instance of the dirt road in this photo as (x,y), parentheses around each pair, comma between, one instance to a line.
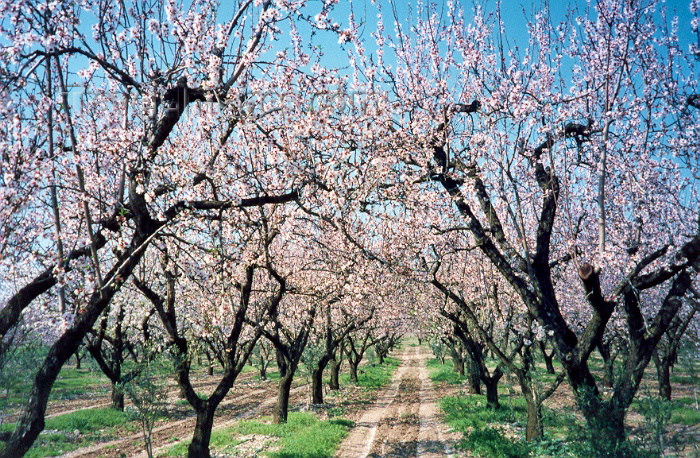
(403,421)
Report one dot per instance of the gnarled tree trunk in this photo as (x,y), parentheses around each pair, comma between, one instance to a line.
(333,383)
(279,415)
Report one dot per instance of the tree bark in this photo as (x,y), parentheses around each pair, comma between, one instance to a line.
(317,379)
(317,386)
(117,397)
(474,378)
(458,363)
(334,384)
(663,372)
(281,409)
(491,385)
(199,447)
(533,430)
(353,371)
(548,358)
(210,365)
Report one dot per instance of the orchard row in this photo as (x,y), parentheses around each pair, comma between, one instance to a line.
(498,192)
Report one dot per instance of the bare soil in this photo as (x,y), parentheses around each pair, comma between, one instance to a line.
(403,421)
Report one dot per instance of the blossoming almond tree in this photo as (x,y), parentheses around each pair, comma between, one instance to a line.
(104,147)
(209,291)
(571,163)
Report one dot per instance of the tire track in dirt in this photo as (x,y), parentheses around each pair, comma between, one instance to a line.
(403,421)
(57,408)
(134,442)
(242,406)
(433,437)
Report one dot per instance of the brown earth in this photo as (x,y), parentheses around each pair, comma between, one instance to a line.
(403,421)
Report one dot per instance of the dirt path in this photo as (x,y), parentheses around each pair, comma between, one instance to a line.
(403,421)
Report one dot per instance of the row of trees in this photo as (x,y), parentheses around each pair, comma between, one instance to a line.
(209,166)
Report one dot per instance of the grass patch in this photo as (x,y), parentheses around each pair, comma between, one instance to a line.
(464,413)
(70,384)
(88,420)
(84,421)
(273,375)
(686,400)
(52,444)
(685,415)
(490,442)
(374,377)
(304,435)
(74,430)
(444,373)
(683,379)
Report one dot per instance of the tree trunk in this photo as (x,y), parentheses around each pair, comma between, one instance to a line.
(335,370)
(210,365)
(533,429)
(457,361)
(548,359)
(282,407)
(458,365)
(381,357)
(317,379)
(549,362)
(492,392)
(317,386)
(78,360)
(117,397)
(199,447)
(607,430)
(353,371)
(473,381)
(608,365)
(663,371)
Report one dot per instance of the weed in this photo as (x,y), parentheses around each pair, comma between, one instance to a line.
(374,377)
(490,442)
(304,435)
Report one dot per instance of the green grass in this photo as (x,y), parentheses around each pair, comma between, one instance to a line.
(303,436)
(492,443)
(683,379)
(88,420)
(444,372)
(248,368)
(375,376)
(686,400)
(273,375)
(59,433)
(85,421)
(465,412)
(685,415)
(469,415)
(70,384)
(53,444)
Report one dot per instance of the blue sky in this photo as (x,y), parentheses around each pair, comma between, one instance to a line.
(515,14)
